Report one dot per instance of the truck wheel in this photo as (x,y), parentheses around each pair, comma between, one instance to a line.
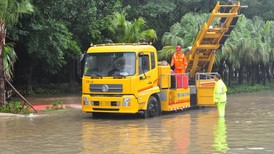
(153,108)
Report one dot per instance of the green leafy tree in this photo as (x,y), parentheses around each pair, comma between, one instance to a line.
(130,31)
(248,47)
(271,39)
(183,33)
(55,36)
(162,14)
(261,8)
(10,10)
(87,20)
(67,28)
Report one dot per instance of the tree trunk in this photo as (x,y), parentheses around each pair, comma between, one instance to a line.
(248,73)
(29,77)
(263,77)
(241,75)
(72,76)
(230,74)
(253,75)
(268,71)
(258,74)
(221,67)
(2,81)
(272,69)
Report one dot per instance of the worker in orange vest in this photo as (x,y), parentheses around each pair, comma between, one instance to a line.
(179,61)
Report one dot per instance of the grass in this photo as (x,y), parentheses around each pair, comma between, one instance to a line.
(243,88)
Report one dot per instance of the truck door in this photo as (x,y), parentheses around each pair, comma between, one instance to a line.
(146,77)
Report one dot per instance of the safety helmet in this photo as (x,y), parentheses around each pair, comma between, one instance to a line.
(178,48)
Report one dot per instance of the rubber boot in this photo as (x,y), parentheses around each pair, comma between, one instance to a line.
(221,109)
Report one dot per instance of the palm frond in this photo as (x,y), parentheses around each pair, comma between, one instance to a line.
(9,58)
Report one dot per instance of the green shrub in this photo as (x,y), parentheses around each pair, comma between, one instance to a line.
(15,107)
(48,89)
(57,105)
(248,88)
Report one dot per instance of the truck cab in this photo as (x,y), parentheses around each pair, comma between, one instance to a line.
(121,78)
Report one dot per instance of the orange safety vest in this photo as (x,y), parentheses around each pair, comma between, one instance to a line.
(180,61)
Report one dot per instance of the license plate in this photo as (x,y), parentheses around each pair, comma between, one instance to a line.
(104,104)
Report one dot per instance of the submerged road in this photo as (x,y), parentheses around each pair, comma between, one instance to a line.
(247,128)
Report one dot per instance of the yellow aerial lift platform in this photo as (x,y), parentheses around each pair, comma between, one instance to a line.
(212,37)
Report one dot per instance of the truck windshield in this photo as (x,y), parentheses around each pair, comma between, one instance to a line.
(110,64)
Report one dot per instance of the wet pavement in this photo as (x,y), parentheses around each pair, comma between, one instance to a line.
(247,128)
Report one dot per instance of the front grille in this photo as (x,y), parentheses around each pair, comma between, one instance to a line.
(96,103)
(114,103)
(105,109)
(105,87)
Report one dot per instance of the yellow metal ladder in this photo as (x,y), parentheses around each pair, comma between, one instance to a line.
(212,37)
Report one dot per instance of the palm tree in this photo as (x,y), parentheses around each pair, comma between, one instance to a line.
(260,53)
(268,37)
(10,10)
(183,33)
(248,46)
(118,24)
(9,58)
(130,31)
(236,47)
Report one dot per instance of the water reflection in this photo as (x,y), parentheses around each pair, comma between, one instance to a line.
(220,142)
(157,135)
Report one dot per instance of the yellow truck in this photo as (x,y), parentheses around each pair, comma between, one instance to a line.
(127,77)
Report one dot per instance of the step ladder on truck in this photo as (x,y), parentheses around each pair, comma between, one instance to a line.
(126,78)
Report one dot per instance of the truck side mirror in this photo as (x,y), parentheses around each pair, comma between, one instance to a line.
(81,57)
(79,65)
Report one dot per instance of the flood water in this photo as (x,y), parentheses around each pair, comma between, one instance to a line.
(247,128)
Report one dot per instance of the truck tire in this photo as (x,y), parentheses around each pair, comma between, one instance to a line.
(153,108)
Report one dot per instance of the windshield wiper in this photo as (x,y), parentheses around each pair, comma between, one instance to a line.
(115,69)
(95,75)
(119,76)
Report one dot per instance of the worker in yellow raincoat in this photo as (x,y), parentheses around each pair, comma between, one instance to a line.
(220,98)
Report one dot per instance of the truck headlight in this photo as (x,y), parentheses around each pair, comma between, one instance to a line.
(85,99)
(126,102)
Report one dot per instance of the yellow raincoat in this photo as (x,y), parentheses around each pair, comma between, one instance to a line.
(220,98)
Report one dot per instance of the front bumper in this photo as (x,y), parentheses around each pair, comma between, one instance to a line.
(110,104)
